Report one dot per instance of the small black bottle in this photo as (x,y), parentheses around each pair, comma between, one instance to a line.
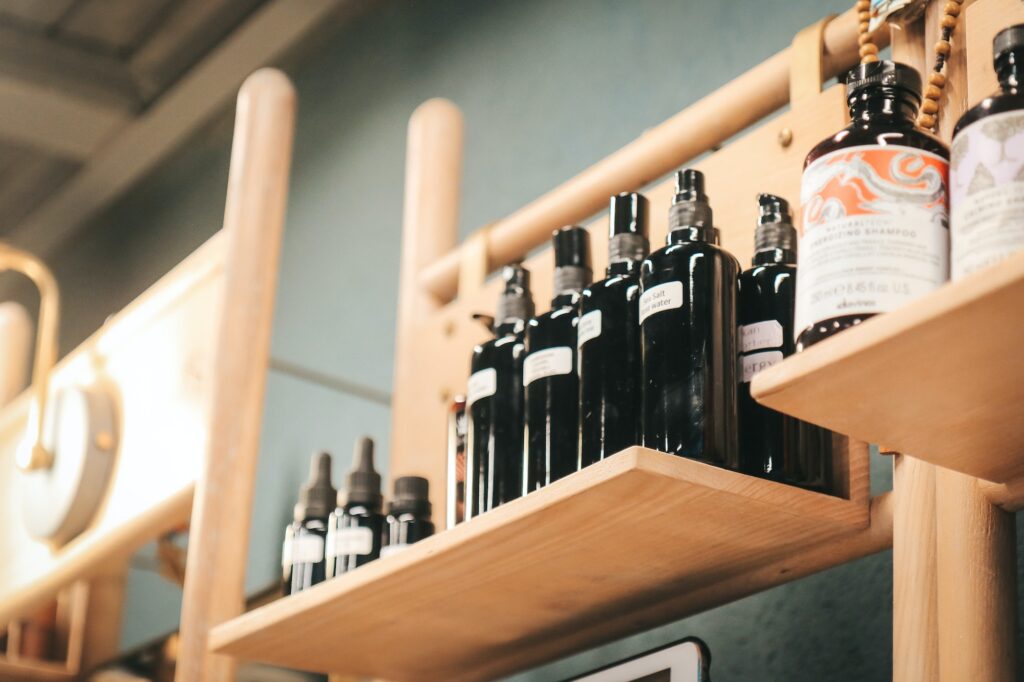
(409,514)
(608,338)
(355,530)
(986,172)
(494,400)
(688,335)
(875,226)
(774,445)
(303,553)
(549,370)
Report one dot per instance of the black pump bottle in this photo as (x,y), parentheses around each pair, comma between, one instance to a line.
(774,445)
(303,555)
(608,340)
(409,514)
(549,370)
(356,528)
(688,335)
(494,400)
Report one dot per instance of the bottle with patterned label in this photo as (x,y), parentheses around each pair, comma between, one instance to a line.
(494,401)
(688,335)
(986,175)
(874,203)
(549,370)
(608,338)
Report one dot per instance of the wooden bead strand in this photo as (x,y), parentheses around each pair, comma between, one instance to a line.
(928,116)
(868,50)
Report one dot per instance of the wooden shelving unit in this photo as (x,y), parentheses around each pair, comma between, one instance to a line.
(636,539)
(939,379)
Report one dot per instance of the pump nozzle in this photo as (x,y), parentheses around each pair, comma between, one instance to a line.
(363,483)
(775,231)
(572,260)
(690,207)
(627,228)
(318,497)
(515,303)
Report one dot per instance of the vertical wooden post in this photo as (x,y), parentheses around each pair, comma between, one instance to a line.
(430,226)
(254,220)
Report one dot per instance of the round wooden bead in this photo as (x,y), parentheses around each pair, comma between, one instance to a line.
(864,5)
(942,48)
(864,16)
(926,121)
(929,107)
(863,39)
(952,9)
(863,27)
(937,79)
(948,21)
(868,48)
(932,92)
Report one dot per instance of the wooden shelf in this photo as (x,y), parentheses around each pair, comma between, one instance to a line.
(941,379)
(636,540)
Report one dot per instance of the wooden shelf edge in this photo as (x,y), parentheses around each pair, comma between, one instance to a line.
(34,670)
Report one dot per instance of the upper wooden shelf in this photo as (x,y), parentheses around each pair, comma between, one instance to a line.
(941,379)
(636,540)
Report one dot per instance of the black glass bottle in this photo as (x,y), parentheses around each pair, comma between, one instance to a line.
(303,554)
(355,530)
(688,335)
(875,227)
(494,398)
(608,338)
(774,445)
(987,167)
(549,370)
(408,514)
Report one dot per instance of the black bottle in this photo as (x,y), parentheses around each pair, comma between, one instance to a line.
(608,338)
(688,335)
(303,554)
(774,445)
(986,175)
(875,226)
(549,370)
(409,514)
(356,528)
(494,400)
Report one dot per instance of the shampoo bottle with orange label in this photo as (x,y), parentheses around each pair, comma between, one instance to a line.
(874,199)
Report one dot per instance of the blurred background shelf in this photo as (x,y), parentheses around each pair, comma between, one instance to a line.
(636,540)
(940,379)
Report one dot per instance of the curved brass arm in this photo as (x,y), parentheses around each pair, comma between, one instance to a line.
(33,455)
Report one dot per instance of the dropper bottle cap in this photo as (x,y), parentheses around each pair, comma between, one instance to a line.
(515,303)
(775,229)
(363,482)
(412,496)
(627,228)
(317,498)
(572,260)
(690,207)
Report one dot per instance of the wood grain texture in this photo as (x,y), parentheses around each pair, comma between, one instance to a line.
(558,570)
(253,225)
(919,379)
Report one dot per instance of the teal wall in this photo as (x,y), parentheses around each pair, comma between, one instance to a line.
(547,88)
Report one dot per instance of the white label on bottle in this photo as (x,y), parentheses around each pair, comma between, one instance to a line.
(986,178)
(481,384)
(306,549)
(766,334)
(393,549)
(286,550)
(662,297)
(348,541)
(547,363)
(755,362)
(874,232)
(589,328)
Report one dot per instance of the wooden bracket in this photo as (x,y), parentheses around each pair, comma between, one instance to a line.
(474,263)
(807,61)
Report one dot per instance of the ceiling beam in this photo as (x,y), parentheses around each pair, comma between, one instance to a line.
(143,144)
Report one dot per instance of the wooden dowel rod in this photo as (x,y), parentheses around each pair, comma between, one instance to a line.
(254,221)
(977,580)
(1009,495)
(708,122)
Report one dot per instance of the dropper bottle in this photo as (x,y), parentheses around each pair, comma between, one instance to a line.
(408,514)
(356,527)
(303,553)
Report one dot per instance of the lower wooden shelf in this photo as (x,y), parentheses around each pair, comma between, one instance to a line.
(636,540)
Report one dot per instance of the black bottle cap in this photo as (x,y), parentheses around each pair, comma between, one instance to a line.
(317,498)
(774,225)
(627,227)
(412,496)
(690,207)
(1007,40)
(886,74)
(363,481)
(572,260)
(515,303)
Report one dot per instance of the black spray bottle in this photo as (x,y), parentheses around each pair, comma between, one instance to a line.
(549,370)
(608,339)
(688,335)
(356,528)
(303,553)
(494,400)
(409,514)
(774,445)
